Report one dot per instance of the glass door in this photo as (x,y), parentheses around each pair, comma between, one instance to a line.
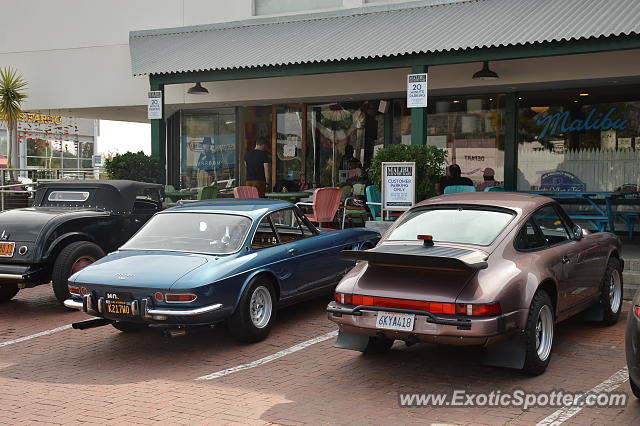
(288,147)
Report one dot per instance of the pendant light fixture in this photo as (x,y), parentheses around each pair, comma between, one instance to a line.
(485,73)
(197,90)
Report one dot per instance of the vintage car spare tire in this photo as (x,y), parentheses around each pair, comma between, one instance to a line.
(254,315)
(7,291)
(71,259)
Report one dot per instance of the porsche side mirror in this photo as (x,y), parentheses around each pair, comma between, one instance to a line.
(577,232)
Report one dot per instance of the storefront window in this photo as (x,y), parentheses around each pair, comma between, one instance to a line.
(572,141)
(208,148)
(341,141)
(58,153)
(469,128)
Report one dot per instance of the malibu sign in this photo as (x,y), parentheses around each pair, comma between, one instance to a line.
(562,123)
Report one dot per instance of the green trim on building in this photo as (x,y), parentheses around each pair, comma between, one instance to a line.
(511,141)
(419,116)
(159,132)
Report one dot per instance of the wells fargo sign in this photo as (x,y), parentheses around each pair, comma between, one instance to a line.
(30,117)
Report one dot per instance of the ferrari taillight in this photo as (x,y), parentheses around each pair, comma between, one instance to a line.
(179,298)
(74,290)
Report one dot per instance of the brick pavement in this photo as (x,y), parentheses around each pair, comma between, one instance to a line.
(102,376)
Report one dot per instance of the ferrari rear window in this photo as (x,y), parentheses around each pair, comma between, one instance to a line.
(453,225)
(211,233)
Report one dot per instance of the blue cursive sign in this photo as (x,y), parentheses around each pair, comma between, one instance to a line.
(560,122)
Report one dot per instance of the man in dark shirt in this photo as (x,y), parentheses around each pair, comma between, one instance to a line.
(258,167)
(454,178)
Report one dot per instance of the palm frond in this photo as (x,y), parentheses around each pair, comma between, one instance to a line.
(12,94)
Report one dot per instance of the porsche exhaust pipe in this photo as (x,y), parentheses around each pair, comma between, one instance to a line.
(84,325)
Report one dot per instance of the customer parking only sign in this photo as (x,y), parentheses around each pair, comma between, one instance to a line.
(398,186)
(417,90)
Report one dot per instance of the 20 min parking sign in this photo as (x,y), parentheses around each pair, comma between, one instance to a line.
(417,90)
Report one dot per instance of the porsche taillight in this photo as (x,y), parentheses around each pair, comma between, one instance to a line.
(636,310)
(478,310)
(179,297)
(344,298)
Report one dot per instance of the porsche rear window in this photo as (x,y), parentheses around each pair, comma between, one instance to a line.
(211,233)
(458,225)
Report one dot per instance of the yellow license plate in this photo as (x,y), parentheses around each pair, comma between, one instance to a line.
(6,249)
(118,308)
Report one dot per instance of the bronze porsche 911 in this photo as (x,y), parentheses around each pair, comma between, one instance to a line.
(492,269)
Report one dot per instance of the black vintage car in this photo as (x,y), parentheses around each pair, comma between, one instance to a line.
(71,225)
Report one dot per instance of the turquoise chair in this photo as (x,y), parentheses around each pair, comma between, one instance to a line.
(494,189)
(374,201)
(456,189)
(169,188)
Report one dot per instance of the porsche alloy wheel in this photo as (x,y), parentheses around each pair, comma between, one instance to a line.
(611,292)
(73,258)
(261,307)
(254,315)
(539,334)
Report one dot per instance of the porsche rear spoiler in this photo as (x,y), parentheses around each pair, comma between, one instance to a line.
(420,256)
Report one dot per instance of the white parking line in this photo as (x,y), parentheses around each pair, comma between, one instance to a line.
(565,413)
(284,352)
(33,336)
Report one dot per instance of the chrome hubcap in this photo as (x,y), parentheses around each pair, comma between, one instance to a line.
(261,307)
(615,291)
(544,332)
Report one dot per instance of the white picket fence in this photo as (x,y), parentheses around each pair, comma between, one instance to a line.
(600,170)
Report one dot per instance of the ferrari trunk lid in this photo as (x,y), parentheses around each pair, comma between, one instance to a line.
(416,272)
(140,269)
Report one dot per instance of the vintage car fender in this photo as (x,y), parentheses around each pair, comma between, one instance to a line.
(251,276)
(66,239)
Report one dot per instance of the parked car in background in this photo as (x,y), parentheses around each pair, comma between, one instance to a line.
(201,263)
(632,345)
(70,225)
(494,269)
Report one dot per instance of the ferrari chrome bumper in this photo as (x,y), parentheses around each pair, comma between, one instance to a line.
(73,304)
(184,312)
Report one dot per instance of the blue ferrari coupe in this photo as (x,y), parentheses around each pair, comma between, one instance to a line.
(208,262)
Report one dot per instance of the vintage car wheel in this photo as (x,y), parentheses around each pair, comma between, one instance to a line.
(378,345)
(253,318)
(72,259)
(129,327)
(7,291)
(612,292)
(539,333)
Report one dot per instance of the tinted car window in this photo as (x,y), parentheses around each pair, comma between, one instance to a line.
(453,225)
(529,238)
(551,225)
(192,232)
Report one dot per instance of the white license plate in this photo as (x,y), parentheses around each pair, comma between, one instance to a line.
(395,321)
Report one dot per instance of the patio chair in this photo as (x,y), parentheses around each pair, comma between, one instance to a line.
(207,192)
(374,202)
(326,202)
(494,189)
(456,189)
(245,192)
(169,188)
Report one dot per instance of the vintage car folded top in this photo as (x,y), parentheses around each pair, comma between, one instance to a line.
(206,262)
(494,269)
(71,225)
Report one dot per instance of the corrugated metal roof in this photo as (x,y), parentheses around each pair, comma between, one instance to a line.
(370,32)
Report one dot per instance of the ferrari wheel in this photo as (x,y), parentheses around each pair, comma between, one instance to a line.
(129,327)
(7,291)
(612,292)
(73,258)
(378,345)
(253,318)
(539,333)
(634,388)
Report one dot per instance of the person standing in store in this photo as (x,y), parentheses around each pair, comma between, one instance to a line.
(205,165)
(258,163)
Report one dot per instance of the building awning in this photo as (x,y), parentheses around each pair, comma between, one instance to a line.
(376,32)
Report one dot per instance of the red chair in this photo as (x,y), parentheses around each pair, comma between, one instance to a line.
(326,202)
(245,192)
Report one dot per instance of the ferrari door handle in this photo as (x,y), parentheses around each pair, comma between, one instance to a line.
(566,260)
(292,251)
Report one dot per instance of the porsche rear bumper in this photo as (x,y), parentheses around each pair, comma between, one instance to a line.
(428,327)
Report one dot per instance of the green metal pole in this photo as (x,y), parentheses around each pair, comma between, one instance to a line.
(511,142)
(159,133)
(419,116)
